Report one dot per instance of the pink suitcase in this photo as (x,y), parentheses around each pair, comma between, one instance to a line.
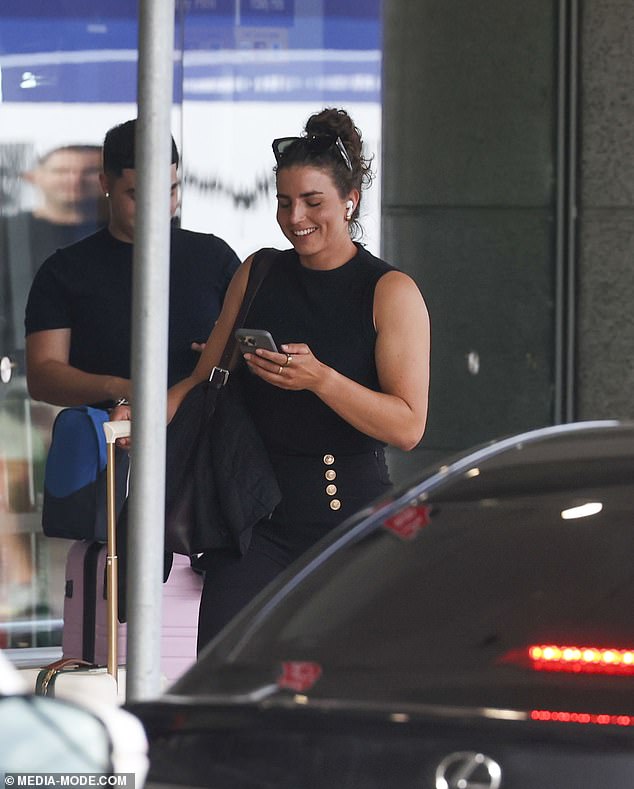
(91,578)
(181,600)
(85,632)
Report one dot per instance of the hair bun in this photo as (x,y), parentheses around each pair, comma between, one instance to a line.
(338,123)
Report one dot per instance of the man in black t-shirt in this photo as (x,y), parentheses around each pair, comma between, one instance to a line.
(78,315)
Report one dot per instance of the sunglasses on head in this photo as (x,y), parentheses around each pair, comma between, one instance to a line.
(313,143)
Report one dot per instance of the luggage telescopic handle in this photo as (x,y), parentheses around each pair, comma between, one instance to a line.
(115,430)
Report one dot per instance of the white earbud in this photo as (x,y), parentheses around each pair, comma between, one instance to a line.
(349,209)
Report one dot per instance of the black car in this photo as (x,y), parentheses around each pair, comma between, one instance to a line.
(474,630)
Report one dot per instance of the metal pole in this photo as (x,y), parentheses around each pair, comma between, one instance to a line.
(150,304)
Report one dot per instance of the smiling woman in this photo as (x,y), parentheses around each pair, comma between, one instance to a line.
(346,379)
(322,151)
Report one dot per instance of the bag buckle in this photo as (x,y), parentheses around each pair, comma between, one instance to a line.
(219,377)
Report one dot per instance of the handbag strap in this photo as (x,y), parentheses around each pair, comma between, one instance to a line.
(260,265)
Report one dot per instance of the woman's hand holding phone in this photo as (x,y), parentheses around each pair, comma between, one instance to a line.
(293,367)
(261,353)
(250,340)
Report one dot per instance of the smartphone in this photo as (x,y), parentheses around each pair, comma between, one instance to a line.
(251,339)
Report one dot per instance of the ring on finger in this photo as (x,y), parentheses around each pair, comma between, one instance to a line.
(289,359)
(281,370)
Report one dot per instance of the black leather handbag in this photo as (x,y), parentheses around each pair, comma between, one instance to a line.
(219,481)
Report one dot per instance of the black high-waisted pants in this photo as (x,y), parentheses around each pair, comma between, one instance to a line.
(318,493)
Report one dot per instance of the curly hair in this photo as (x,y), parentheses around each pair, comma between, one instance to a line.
(335,123)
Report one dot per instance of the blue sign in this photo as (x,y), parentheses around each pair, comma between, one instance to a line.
(61,9)
(209,8)
(86,50)
(258,13)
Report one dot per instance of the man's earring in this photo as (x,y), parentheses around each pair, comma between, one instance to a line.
(107,194)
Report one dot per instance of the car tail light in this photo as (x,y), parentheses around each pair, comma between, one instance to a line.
(600,719)
(581,659)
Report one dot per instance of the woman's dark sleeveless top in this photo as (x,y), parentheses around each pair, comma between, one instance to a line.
(332,312)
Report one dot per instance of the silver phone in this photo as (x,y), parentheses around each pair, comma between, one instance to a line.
(250,340)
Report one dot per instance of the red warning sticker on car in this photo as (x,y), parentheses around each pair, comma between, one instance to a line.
(408,522)
(299,675)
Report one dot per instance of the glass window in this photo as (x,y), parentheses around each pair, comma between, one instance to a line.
(246,71)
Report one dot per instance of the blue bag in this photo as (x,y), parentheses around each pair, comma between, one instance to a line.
(74,505)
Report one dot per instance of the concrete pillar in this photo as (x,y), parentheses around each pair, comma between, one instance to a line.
(472,174)
(469,195)
(605,359)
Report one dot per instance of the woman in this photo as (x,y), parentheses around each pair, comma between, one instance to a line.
(352,370)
